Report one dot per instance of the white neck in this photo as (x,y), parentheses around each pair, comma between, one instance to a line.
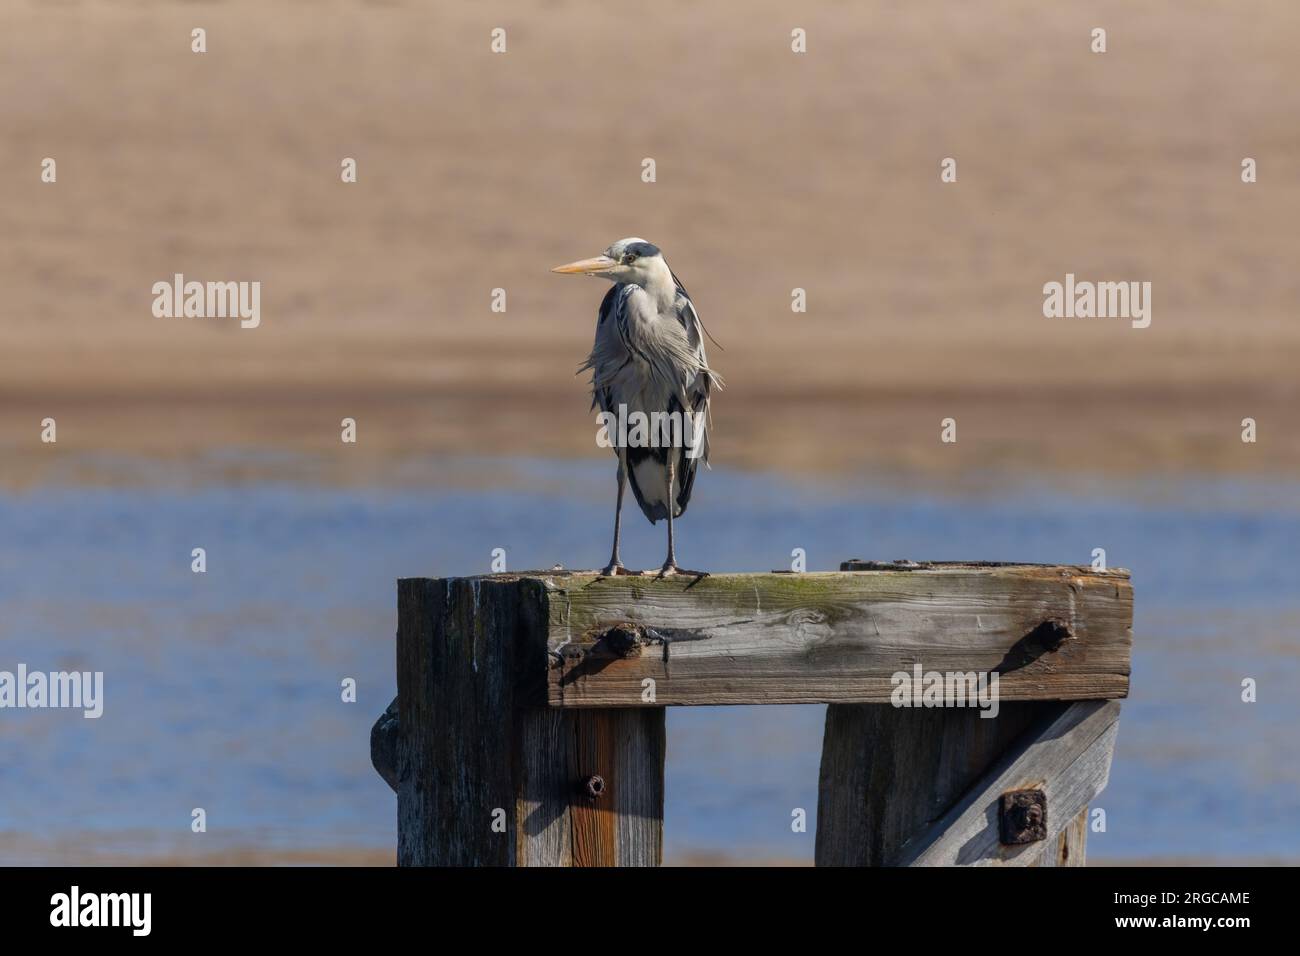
(657,280)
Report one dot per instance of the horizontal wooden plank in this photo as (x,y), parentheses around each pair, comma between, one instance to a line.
(1050,633)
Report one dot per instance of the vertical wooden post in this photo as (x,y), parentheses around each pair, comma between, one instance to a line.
(591,788)
(887,772)
(1070,846)
(485,773)
(928,787)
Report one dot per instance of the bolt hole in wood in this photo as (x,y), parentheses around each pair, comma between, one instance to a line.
(528,691)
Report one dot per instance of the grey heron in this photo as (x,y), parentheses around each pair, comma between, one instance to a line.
(648,359)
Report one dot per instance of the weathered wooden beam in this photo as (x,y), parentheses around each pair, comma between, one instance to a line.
(485,774)
(901,787)
(590,788)
(888,772)
(1050,633)
(1070,848)
(1066,755)
(383,745)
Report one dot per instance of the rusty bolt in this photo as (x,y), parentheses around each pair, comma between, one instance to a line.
(1023,817)
(623,640)
(595,786)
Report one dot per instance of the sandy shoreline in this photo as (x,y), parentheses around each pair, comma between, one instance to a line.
(774,172)
(818,429)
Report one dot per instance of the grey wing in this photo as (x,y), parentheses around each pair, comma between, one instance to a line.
(700,392)
(608,353)
(698,395)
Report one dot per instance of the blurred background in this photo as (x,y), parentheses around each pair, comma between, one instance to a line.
(775,171)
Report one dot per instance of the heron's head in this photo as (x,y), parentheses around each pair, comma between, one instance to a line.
(628,260)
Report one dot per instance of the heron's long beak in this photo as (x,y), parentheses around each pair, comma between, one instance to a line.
(587,266)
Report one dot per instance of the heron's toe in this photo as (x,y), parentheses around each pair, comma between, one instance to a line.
(671,570)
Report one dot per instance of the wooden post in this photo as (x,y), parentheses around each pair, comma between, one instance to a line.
(590,788)
(887,772)
(528,729)
(485,773)
(1070,846)
(908,788)
(1065,755)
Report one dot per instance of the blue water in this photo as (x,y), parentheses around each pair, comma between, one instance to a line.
(223,689)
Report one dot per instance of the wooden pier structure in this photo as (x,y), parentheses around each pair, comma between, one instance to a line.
(528,728)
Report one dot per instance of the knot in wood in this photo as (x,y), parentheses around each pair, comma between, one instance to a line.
(595,786)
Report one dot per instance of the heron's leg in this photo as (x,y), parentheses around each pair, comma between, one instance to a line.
(615,565)
(670,566)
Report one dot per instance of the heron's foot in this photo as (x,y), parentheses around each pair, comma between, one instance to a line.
(670,569)
(614,569)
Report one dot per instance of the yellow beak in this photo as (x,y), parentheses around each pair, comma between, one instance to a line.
(586,266)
